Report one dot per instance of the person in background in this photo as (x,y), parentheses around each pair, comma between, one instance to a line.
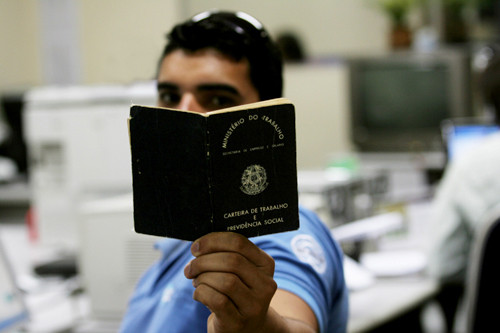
(291,47)
(224,282)
(469,189)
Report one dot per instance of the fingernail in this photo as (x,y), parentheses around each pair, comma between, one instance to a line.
(187,269)
(195,248)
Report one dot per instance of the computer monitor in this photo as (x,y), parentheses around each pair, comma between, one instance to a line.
(398,101)
(462,135)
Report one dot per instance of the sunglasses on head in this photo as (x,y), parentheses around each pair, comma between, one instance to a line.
(240,22)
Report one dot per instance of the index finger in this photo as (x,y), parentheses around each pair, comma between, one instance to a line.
(231,242)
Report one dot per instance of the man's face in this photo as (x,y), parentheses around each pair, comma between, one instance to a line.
(203,81)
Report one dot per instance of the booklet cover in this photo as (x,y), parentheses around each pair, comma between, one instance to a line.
(228,170)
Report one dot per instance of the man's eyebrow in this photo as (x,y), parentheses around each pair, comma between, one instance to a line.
(202,87)
(166,85)
(218,87)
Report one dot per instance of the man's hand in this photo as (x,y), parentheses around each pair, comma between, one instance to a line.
(234,279)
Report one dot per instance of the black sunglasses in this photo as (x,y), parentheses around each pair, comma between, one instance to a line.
(239,22)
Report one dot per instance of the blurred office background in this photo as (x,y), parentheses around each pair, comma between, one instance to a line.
(372,93)
(60,43)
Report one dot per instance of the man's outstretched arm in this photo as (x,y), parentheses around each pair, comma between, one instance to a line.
(234,279)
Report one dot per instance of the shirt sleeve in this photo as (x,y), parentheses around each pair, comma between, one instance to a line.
(308,263)
(449,232)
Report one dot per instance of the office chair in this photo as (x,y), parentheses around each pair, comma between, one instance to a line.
(483,280)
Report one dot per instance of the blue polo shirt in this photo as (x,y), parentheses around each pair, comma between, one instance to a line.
(308,263)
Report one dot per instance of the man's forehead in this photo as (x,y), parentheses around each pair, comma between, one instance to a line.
(206,51)
(207,66)
(206,55)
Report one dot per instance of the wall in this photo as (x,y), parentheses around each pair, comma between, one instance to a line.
(320,94)
(326,26)
(20,60)
(119,40)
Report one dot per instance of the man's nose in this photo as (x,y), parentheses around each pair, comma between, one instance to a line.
(188,102)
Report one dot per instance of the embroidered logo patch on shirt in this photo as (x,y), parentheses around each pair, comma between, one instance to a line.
(307,250)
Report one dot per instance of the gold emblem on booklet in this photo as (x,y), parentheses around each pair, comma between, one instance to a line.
(254,180)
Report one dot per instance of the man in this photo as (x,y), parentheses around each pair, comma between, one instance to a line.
(224,282)
(469,189)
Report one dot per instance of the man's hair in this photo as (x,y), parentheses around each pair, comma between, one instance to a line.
(490,85)
(238,36)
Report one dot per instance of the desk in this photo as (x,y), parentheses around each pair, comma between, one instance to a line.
(387,299)
(390,298)
(339,197)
